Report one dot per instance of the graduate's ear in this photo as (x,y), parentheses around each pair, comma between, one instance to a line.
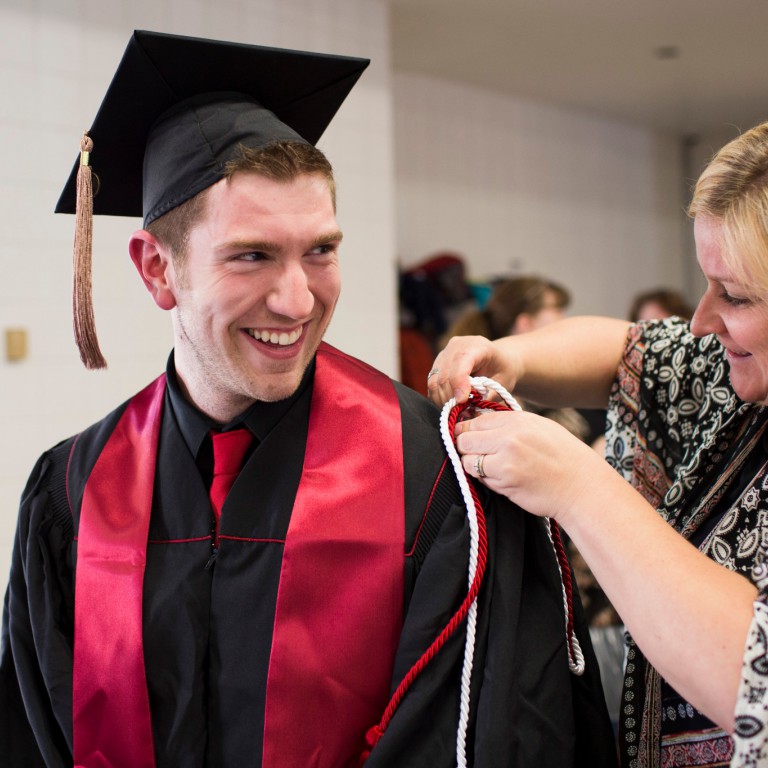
(155,266)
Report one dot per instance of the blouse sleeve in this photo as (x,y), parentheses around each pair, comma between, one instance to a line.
(751,715)
(751,734)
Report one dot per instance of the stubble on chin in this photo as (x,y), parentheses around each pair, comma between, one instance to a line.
(273,387)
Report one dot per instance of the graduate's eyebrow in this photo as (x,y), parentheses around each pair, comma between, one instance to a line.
(331,237)
(268,246)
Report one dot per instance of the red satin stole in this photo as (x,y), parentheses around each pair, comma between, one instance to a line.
(340,600)
(339,606)
(110,704)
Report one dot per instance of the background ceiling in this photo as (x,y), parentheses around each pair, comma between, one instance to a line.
(689,67)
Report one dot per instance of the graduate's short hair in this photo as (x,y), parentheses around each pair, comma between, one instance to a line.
(733,189)
(281,161)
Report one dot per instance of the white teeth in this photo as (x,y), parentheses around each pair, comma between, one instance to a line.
(281,339)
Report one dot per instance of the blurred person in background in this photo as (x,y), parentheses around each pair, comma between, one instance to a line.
(658,304)
(515,305)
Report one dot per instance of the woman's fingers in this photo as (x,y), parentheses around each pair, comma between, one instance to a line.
(480,439)
(531,460)
(464,356)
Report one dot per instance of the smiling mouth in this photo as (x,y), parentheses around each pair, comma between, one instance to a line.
(283,339)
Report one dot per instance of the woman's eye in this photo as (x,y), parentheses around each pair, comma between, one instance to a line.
(734,301)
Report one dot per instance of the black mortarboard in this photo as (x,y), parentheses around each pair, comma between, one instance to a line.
(175,113)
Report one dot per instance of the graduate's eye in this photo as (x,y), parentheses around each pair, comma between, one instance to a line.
(251,256)
(322,250)
(322,254)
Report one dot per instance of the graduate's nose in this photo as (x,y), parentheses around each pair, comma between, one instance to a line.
(290,295)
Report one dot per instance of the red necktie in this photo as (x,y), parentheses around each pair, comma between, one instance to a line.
(228,451)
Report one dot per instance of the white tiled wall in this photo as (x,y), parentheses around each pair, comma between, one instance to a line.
(519,186)
(56,59)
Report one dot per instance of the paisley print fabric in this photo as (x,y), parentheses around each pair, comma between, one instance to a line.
(681,436)
(752,706)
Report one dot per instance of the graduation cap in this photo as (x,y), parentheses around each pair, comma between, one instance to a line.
(176,112)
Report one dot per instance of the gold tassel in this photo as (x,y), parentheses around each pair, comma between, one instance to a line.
(82,300)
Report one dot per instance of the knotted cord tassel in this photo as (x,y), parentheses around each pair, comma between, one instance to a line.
(371,740)
(82,289)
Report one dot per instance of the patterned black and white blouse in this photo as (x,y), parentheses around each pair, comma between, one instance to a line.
(696,452)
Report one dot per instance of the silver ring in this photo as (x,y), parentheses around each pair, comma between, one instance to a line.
(479,459)
(432,373)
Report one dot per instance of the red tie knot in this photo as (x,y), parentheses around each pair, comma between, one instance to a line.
(229,449)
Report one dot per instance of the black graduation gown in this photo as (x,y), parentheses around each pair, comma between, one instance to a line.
(207,631)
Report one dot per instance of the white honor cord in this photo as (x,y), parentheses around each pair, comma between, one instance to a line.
(482,385)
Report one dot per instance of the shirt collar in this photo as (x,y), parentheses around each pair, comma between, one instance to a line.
(259,418)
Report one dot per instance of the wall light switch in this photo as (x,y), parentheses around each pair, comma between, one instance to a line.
(15,344)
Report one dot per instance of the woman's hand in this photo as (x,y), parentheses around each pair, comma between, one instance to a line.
(531,460)
(466,356)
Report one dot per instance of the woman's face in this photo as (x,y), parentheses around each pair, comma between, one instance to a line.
(549,312)
(651,310)
(727,309)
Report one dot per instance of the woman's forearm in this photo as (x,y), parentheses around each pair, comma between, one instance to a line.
(569,363)
(572,362)
(688,615)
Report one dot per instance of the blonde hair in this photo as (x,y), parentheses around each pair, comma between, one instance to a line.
(733,189)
